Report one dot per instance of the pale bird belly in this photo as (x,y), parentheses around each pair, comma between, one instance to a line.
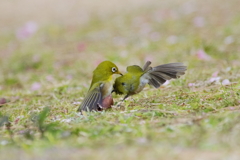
(142,84)
(107,100)
(107,89)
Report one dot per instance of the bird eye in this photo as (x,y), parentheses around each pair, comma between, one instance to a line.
(114,69)
(123,84)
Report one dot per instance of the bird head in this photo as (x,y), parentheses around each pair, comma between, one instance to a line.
(107,68)
(120,87)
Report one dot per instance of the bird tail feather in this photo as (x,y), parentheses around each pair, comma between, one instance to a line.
(146,66)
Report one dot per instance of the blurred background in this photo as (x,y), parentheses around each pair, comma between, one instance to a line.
(49,48)
(44,42)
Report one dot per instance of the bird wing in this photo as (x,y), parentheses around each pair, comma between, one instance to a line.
(93,99)
(156,76)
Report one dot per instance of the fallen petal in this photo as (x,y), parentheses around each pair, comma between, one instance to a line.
(215,74)
(191,84)
(199,21)
(76,103)
(226,82)
(214,79)
(36,86)
(202,55)
(27,30)
(50,78)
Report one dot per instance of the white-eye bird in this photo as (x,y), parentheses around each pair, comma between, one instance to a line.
(136,77)
(99,94)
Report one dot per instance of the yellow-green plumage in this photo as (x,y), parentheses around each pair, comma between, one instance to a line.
(101,86)
(136,77)
(129,82)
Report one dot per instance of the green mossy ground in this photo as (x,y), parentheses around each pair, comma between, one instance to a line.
(44,78)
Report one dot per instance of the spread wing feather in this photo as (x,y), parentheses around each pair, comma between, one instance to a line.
(160,74)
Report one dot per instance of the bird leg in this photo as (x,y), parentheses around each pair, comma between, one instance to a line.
(125,97)
(119,103)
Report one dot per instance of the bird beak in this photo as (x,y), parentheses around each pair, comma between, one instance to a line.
(119,73)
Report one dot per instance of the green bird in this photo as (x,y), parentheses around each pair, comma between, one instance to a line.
(136,77)
(99,94)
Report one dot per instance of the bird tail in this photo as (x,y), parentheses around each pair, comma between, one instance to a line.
(160,74)
(146,66)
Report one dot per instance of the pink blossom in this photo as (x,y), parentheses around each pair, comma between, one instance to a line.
(199,21)
(231,108)
(214,79)
(191,84)
(50,78)
(226,82)
(76,103)
(81,47)
(36,86)
(215,74)
(27,30)
(202,55)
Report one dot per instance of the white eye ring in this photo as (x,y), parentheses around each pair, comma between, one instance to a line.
(114,69)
